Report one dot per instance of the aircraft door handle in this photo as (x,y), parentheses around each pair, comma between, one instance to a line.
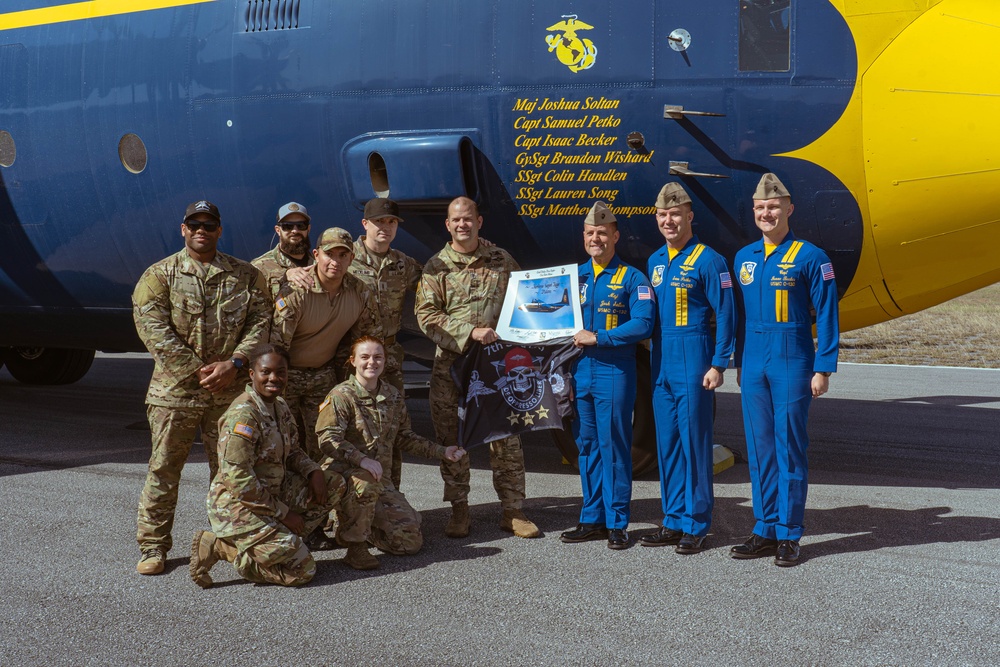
(681,169)
(676,112)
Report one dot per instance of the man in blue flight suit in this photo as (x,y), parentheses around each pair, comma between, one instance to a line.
(778,368)
(618,312)
(692,286)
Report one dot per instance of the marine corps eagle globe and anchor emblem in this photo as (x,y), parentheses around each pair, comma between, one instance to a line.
(575,53)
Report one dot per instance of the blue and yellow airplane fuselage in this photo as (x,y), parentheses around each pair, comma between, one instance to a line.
(115,114)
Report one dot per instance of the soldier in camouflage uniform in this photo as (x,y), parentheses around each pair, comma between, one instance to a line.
(389,274)
(291,256)
(311,323)
(361,423)
(199,313)
(459,300)
(268,493)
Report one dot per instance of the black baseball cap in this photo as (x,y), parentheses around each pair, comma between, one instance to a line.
(202,206)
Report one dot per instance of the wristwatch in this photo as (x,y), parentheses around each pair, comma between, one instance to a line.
(825,374)
(721,369)
(238,363)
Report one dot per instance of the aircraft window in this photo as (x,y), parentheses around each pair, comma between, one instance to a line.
(132,153)
(8,151)
(764,35)
(259,15)
(379,175)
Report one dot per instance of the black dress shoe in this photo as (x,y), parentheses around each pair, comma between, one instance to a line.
(788,553)
(584,532)
(318,541)
(661,538)
(690,544)
(755,547)
(618,538)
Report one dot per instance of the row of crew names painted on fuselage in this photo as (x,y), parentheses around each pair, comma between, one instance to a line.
(568,155)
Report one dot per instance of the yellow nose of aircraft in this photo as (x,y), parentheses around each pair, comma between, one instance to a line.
(919,147)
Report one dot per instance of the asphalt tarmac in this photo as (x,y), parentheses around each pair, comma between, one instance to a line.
(901,554)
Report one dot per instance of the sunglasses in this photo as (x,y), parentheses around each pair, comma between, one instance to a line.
(289,226)
(208,226)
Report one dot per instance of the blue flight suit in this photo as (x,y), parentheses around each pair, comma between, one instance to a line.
(691,289)
(774,347)
(618,306)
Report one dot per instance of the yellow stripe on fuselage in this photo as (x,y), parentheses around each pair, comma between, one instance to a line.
(79,11)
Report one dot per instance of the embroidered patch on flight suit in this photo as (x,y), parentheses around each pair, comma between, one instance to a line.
(583,293)
(725,280)
(644,293)
(746,272)
(657,276)
(827,270)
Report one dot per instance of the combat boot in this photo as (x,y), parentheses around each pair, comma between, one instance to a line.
(206,551)
(359,557)
(152,561)
(514,521)
(458,524)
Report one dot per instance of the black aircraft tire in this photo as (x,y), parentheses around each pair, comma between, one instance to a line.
(643,426)
(48,366)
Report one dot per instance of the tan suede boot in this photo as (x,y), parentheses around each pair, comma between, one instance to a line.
(359,557)
(458,524)
(152,561)
(514,521)
(205,553)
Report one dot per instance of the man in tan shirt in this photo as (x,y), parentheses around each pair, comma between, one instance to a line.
(312,322)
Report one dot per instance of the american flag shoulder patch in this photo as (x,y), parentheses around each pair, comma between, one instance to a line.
(281,304)
(243,430)
(725,280)
(326,402)
(644,293)
(827,270)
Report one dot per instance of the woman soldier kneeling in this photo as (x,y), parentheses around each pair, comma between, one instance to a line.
(268,494)
(360,422)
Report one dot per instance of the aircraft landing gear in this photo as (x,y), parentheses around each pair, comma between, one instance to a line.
(47,365)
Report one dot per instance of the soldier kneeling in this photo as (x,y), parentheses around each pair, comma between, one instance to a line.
(360,423)
(268,494)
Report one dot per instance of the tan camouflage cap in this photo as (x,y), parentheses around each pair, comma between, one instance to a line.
(335,237)
(671,195)
(770,187)
(600,214)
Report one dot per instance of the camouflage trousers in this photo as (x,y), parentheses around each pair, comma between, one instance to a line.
(393,374)
(506,457)
(173,431)
(273,554)
(378,514)
(306,389)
